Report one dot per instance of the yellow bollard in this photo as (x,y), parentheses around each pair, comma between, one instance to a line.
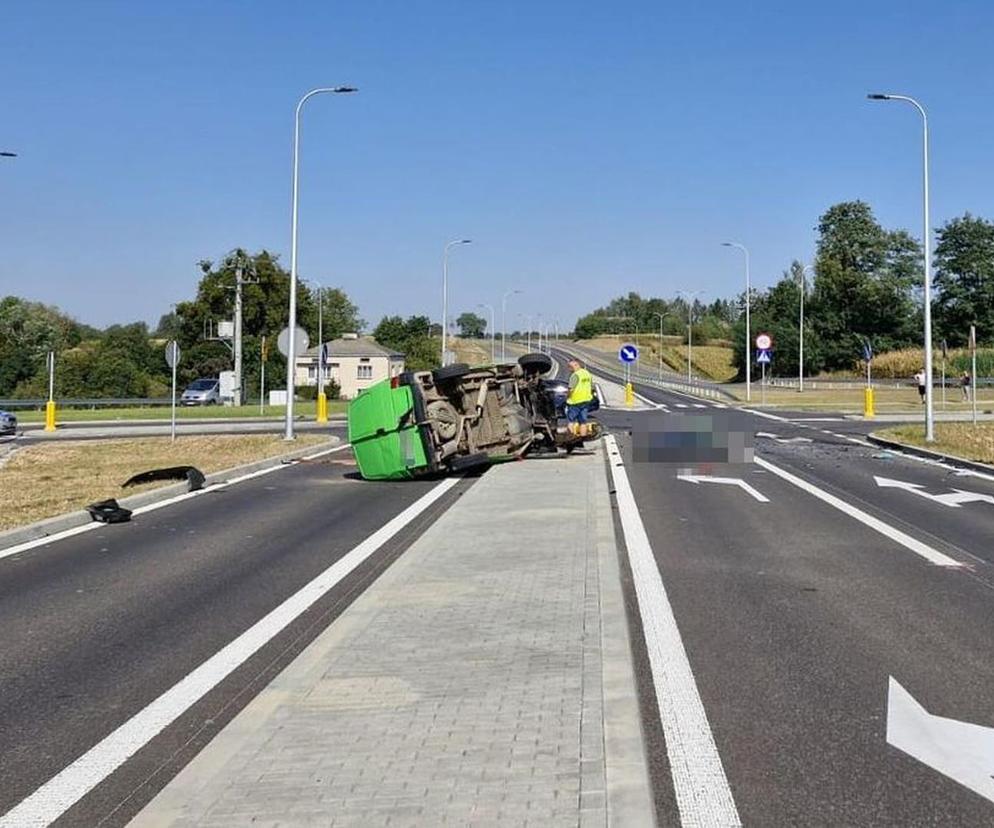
(322,408)
(868,403)
(629,395)
(50,415)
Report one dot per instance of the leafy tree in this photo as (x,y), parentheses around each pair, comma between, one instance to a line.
(471,326)
(421,350)
(864,285)
(964,279)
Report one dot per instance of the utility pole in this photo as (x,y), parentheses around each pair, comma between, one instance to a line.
(238,334)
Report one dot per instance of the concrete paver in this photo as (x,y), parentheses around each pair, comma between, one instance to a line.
(485,678)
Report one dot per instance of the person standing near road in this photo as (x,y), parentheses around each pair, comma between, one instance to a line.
(920,382)
(581,394)
(964,382)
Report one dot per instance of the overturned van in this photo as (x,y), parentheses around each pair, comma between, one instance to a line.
(457,417)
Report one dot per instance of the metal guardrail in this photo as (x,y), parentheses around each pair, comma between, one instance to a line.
(94,402)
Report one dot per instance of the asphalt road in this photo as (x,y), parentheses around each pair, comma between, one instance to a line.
(795,617)
(97,626)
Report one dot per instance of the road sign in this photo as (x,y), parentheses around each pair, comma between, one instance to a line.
(628,353)
(301,341)
(172,353)
(764,356)
(764,342)
(867,350)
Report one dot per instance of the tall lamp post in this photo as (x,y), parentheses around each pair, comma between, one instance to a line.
(800,331)
(690,327)
(503,323)
(292,318)
(926,248)
(661,316)
(748,339)
(493,332)
(445,289)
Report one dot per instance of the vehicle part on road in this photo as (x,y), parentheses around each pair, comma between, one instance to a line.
(194,477)
(108,511)
(458,417)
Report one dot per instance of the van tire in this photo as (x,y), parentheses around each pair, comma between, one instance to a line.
(450,372)
(535,363)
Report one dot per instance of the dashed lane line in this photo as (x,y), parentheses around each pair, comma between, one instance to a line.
(702,791)
(65,789)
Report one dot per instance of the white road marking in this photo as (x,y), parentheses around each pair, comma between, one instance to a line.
(699,405)
(681,405)
(151,507)
(913,544)
(960,750)
(702,792)
(953,499)
(770,436)
(768,416)
(63,790)
(730,481)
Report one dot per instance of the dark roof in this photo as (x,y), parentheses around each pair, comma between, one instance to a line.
(363,347)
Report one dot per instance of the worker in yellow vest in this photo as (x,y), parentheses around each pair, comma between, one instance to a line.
(581,393)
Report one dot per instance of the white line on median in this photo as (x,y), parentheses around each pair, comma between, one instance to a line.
(151,507)
(66,788)
(702,792)
(913,544)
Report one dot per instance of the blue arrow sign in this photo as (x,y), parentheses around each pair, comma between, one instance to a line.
(764,356)
(868,350)
(628,353)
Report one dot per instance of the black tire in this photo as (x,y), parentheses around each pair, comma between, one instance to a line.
(535,363)
(450,372)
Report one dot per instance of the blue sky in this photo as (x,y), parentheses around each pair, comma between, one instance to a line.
(588,149)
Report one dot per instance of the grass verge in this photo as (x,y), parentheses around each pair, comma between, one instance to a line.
(220,412)
(965,440)
(45,480)
(850,400)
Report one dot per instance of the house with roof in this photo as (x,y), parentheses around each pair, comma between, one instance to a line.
(354,362)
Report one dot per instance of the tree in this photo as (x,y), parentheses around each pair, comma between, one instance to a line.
(471,326)
(864,285)
(421,350)
(964,279)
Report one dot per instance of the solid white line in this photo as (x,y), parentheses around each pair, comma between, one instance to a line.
(151,507)
(913,544)
(63,790)
(702,792)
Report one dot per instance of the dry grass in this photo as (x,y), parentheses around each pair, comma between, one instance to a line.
(850,400)
(49,479)
(971,442)
(472,351)
(712,362)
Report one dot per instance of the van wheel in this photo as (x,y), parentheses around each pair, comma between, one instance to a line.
(450,372)
(535,363)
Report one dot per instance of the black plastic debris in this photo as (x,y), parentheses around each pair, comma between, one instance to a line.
(109,511)
(193,476)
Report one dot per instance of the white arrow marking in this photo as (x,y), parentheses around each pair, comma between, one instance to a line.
(953,499)
(962,751)
(731,481)
(769,436)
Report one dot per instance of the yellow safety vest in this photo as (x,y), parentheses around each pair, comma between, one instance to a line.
(583,391)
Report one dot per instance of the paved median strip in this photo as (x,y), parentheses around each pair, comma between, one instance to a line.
(59,794)
(702,791)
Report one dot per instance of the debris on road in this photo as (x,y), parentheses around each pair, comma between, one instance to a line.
(109,511)
(194,477)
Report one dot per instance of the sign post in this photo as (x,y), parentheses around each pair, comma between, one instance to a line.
(172,360)
(262,376)
(322,416)
(628,354)
(973,370)
(868,403)
(945,353)
(764,356)
(50,405)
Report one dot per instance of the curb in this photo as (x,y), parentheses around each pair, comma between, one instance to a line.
(917,451)
(71,520)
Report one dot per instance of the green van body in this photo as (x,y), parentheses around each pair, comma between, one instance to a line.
(385,438)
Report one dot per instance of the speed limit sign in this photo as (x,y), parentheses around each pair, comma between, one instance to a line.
(764,342)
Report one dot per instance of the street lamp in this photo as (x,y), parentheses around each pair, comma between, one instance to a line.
(661,316)
(503,323)
(529,320)
(292,318)
(748,341)
(8,155)
(800,351)
(493,332)
(445,289)
(690,328)
(929,418)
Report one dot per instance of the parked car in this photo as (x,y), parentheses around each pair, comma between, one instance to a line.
(458,417)
(8,423)
(202,392)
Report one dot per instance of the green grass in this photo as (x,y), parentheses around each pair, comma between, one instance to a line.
(971,442)
(162,412)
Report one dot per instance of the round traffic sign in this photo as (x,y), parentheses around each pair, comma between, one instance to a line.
(172,353)
(628,353)
(300,341)
(764,342)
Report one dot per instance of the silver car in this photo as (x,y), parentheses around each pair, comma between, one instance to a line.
(202,392)
(8,423)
